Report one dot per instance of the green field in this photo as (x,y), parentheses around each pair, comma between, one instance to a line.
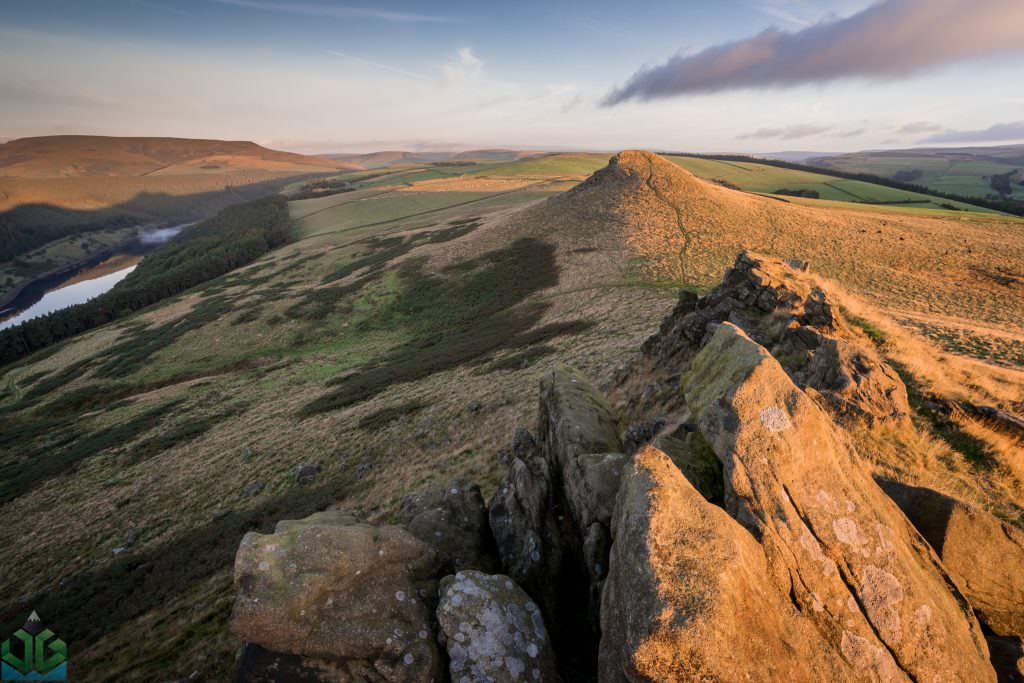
(551,165)
(956,174)
(765,179)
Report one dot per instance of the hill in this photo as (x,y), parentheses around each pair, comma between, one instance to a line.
(805,183)
(971,171)
(397,157)
(396,344)
(67,198)
(72,156)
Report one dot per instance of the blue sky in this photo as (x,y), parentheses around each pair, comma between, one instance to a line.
(321,75)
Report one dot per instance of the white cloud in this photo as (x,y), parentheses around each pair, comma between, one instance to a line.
(465,67)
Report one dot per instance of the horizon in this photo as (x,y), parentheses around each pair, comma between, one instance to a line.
(327,77)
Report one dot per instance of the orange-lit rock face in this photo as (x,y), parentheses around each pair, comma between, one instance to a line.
(845,553)
(688,596)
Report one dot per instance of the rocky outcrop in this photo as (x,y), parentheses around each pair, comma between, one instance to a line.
(688,596)
(532,528)
(833,540)
(453,521)
(985,556)
(579,437)
(784,308)
(344,596)
(717,526)
(493,631)
(552,513)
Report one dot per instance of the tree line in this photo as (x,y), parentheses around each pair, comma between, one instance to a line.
(236,236)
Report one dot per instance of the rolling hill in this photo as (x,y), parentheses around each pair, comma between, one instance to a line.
(397,341)
(807,184)
(55,190)
(957,170)
(398,157)
(72,156)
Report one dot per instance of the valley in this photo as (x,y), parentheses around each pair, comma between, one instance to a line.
(396,341)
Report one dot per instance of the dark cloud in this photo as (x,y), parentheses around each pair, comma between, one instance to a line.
(794,132)
(853,133)
(891,39)
(999,132)
(919,127)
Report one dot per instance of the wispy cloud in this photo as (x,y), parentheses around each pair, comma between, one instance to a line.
(377,65)
(999,132)
(776,12)
(794,132)
(335,11)
(888,40)
(852,133)
(919,128)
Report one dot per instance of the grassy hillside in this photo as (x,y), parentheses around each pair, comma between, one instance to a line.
(397,343)
(966,171)
(62,156)
(766,179)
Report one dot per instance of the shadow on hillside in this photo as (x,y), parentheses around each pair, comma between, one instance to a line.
(471,309)
(30,226)
(88,605)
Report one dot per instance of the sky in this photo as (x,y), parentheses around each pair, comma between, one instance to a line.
(326,76)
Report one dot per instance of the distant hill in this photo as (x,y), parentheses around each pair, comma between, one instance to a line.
(971,171)
(398,157)
(63,156)
(797,156)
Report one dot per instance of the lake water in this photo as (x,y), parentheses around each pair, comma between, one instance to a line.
(52,294)
(78,293)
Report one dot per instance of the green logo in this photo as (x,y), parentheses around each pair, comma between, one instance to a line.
(33,653)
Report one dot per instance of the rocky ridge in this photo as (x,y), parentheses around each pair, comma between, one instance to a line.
(708,519)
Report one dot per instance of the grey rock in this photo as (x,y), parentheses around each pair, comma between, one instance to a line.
(453,520)
(493,631)
(254,488)
(307,472)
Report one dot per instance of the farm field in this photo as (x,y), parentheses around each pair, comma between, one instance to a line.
(766,179)
(964,172)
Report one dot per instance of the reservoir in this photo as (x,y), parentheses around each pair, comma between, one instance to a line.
(78,285)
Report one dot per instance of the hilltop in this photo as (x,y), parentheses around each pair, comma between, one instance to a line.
(396,342)
(70,156)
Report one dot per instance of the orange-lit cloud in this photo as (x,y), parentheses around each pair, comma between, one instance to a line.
(892,39)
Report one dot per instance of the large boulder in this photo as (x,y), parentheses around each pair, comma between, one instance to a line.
(493,631)
(452,520)
(985,556)
(784,308)
(348,595)
(688,596)
(833,540)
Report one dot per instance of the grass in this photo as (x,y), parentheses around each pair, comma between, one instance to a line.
(765,179)
(551,165)
(954,174)
(382,418)
(453,318)
(34,466)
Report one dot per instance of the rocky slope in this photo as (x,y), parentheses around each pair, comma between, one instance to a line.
(710,521)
